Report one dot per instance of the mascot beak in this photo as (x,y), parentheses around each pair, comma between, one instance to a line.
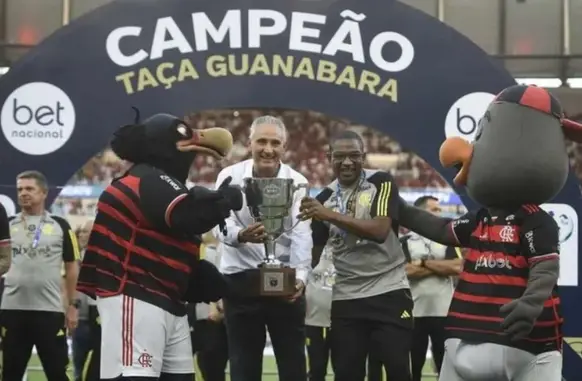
(457,152)
(216,142)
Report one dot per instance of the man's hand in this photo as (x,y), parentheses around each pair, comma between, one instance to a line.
(519,318)
(299,286)
(311,208)
(71,318)
(254,233)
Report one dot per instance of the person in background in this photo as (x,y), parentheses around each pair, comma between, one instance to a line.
(430,269)
(318,294)
(81,337)
(92,362)
(5,245)
(247,313)
(209,340)
(212,344)
(5,251)
(32,310)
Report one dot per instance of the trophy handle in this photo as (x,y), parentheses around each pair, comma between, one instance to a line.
(295,189)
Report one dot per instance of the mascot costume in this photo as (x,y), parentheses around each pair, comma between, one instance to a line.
(504,322)
(142,261)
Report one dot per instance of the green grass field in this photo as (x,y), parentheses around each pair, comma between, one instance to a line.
(269,369)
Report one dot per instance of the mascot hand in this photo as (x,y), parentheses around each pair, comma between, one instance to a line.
(232,194)
(519,318)
(205,194)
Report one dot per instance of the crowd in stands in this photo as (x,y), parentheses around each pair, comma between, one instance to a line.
(309,133)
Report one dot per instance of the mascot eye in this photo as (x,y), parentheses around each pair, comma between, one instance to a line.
(183,130)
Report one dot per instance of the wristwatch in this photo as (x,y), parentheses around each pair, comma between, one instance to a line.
(75,303)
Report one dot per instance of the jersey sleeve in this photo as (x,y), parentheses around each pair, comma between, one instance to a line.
(4,227)
(385,202)
(70,244)
(540,237)
(159,195)
(319,230)
(462,228)
(453,253)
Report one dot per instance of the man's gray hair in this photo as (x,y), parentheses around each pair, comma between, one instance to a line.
(269,119)
(37,176)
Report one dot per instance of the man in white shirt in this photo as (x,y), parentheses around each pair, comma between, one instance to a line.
(246,313)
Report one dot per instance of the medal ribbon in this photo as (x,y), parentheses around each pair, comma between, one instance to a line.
(37,232)
(349,206)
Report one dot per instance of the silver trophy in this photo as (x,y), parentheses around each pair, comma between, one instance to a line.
(269,201)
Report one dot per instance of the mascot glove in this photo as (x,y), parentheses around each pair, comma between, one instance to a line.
(232,194)
(203,194)
(519,318)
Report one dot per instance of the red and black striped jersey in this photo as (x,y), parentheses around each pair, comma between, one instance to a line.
(501,250)
(132,249)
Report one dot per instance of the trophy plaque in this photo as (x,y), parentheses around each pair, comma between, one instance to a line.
(269,201)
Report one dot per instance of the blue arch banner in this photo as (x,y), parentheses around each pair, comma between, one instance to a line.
(380,64)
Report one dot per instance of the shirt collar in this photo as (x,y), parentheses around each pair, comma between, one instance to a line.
(248,170)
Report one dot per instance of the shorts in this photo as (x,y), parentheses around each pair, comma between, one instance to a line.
(139,339)
(488,361)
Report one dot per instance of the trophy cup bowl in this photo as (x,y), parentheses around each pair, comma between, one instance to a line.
(269,201)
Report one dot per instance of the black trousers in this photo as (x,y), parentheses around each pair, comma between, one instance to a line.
(248,317)
(375,369)
(209,342)
(425,327)
(21,330)
(93,361)
(318,351)
(81,347)
(374,327)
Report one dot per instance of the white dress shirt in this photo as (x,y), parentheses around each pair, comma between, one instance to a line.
(296,244)
(211,255)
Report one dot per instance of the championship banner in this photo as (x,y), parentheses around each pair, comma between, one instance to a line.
(380,64)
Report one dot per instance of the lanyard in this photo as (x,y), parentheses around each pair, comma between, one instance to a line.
(37,232)
(343,209)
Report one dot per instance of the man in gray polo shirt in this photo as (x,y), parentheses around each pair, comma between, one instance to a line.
(32,309)
(430,270)
(371,310)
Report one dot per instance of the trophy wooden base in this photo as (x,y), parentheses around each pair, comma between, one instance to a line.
(277,281)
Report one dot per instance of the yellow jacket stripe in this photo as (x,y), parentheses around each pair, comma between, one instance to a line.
(383,200)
